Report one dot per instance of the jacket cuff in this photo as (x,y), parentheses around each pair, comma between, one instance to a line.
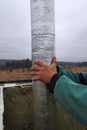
(52,83)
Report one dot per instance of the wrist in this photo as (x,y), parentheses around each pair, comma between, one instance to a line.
(52,82)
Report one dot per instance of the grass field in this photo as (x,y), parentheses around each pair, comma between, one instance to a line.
(24,74)
(76,69)
(16,74)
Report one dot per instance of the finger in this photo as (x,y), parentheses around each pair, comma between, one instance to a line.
(35,68)
(39,63)
(34,73)
(53,61)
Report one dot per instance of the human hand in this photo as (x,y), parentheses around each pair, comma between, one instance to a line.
(44,72)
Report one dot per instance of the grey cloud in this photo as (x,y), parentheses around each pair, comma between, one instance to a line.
(15,29)
(71,29)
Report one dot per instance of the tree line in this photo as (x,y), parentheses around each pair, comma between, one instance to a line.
(27,63)
(16,64)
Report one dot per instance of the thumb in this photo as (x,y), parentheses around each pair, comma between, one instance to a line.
(53,61)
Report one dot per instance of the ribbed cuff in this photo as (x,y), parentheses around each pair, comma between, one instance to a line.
(52,83)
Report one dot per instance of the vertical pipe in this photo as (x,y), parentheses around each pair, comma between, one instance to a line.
(43,48)
(1,108)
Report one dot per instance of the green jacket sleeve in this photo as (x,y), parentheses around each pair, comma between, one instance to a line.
(76,77)
(72,75)
(72,95)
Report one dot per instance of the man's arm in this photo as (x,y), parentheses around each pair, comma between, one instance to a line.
(72,75)
(66,88)
(73,97)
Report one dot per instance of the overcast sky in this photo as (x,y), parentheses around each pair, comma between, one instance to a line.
(71,29)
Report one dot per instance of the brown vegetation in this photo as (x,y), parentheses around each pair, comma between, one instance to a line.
(24,73)
(76,69)
(15,74)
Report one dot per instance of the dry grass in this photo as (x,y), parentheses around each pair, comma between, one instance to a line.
(16,74)
(76,69)
(24,74)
